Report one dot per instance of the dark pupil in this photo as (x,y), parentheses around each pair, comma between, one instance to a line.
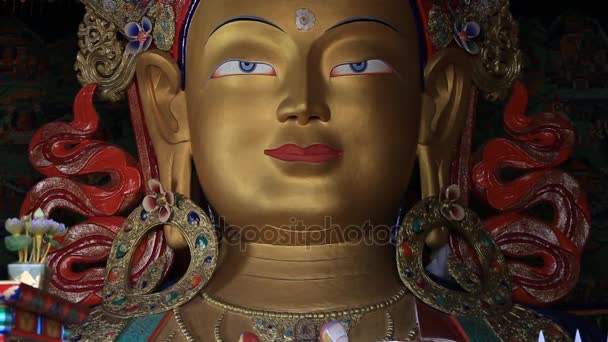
(358,67)
(247,66)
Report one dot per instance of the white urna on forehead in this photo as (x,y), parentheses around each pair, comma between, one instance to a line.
(305,19)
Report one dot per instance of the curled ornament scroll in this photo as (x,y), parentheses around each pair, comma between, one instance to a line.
(68,153)
(102,58)
(500,60)
(544,220)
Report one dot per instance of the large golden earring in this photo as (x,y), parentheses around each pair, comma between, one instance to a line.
(485,295)
(489,294)
(124,301)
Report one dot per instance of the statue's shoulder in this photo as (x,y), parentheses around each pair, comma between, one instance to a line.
(101,326)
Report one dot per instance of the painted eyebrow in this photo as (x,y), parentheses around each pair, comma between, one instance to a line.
(247,18)
(363,19)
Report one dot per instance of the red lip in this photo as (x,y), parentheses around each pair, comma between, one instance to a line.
(317,153)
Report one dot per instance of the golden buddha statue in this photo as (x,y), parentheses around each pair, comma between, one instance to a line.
(303,121)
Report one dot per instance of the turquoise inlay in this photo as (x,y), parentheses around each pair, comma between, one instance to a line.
(477,330)
(486,241)
(140,329)
(441,300)
(120,301)
(202,242)
(121,251)
(418,226)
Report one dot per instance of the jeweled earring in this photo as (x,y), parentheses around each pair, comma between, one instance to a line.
(486,295)
(158,208)
(491,296)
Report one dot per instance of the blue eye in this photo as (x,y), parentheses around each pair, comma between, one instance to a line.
(247,66)
(368,67)
(238,67)
(358,67)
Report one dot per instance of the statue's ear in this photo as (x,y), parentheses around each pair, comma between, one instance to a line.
(445,104)
(166,116)
(159,83)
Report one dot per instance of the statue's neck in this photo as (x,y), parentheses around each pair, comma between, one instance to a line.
(304,278)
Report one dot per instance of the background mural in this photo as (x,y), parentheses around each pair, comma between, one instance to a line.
(566,50)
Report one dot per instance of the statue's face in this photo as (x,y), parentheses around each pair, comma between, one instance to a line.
(259,93)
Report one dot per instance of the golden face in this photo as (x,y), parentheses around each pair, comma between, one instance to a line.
(293,125)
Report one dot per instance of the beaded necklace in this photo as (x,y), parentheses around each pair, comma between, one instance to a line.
(288,326)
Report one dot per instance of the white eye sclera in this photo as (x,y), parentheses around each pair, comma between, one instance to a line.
(236,67)
(372,66)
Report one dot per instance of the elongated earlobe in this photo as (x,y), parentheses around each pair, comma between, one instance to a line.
(444,109)
(165,112)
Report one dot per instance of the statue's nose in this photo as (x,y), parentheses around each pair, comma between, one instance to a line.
(305,95)
(302,112)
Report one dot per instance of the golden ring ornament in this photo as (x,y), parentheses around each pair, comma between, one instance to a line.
(490,294)
(122,300)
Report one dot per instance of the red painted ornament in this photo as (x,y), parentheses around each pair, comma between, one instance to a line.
(195,281)
(248,337)
(553,331)
(70,154)
(421,283)
(132,307)
(112,277)
(536,145)
(406,249)
(496,266)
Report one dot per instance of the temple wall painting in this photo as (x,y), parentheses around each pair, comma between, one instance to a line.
(566,71)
